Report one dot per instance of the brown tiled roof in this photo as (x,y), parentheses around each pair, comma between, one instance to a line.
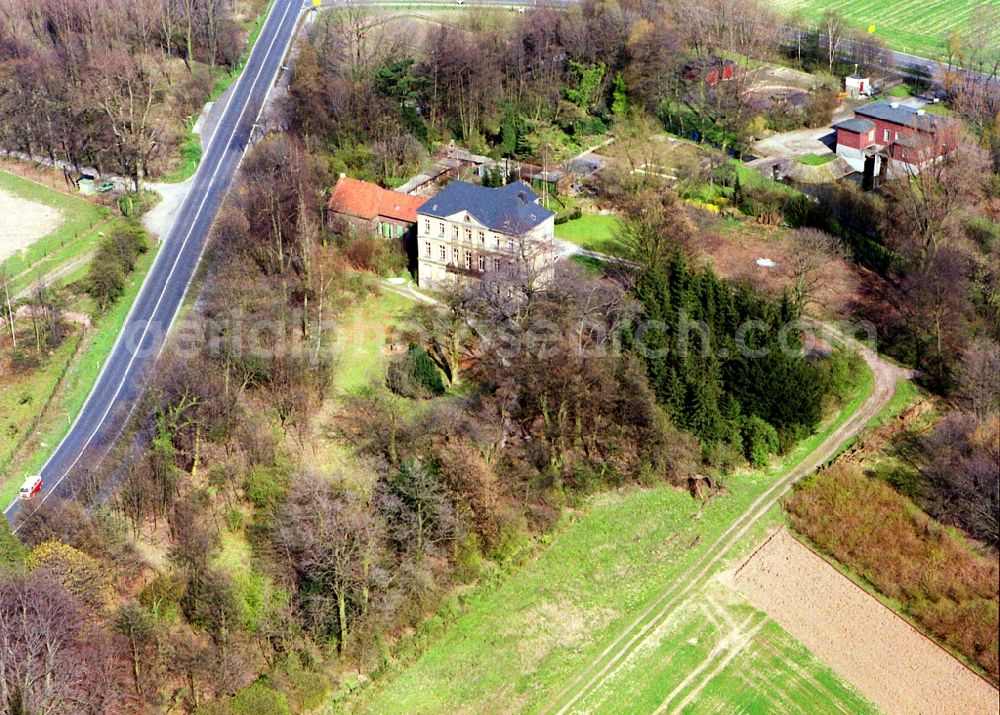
(366,200)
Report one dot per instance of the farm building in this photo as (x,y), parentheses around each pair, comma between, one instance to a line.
(886,136)
(363,204)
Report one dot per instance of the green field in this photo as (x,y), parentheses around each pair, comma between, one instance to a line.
(592,231)
(516,646)
(918,27)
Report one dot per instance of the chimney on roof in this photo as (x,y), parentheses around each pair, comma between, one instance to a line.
(921,112)
(343,175)
(894,105)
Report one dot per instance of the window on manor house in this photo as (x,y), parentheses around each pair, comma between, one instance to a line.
(427,248)
(444,253)
(454,256)
(454,232)
(482,238)
(468,259)
(468,235)
(496,264)
(427,225)
(482,263)
(441,228)
(885,135)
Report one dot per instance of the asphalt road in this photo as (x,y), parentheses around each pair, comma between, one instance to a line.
(141,340)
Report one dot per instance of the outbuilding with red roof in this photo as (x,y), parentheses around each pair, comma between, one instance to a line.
(365,205)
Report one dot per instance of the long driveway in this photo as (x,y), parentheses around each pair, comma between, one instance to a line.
(139,344)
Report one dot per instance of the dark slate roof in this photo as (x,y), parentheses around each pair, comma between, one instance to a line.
(900,114)
(856,125)
(509,209)
(914,141)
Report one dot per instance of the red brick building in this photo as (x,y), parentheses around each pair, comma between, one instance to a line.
(888,135)
(363,204)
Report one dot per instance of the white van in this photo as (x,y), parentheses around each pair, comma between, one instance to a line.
(31,487)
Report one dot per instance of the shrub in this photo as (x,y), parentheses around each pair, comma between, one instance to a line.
(763,203)
(115,258)
(414,375)
(984,232)
(259,699)
(79,573)
(819,108)
(800,210)
(376,254)
(306,689)
(266,488)
(12,551)
(840,373)
(570,215)
(760,440)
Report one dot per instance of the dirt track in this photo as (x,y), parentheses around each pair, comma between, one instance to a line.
(887,659)
(885,377)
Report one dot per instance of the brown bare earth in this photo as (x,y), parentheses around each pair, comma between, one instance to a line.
(732,251)
(887,659)
(24,222)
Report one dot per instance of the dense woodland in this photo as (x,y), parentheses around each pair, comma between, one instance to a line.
(550,391)
(110,84)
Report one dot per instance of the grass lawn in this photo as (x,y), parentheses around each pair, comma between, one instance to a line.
(516,645)
(190,153)
(70,392)
(363,334)
(76,235)
(360,343)
(24,396)
(592,231)
(918,27)
(815,160)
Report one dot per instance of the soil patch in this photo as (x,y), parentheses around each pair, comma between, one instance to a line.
(887,659)
(732,250)
(24,222)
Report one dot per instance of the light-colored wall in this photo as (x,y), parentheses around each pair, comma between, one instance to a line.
(854,157)
(435,235)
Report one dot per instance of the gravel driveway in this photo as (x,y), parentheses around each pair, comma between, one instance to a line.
(803,141)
